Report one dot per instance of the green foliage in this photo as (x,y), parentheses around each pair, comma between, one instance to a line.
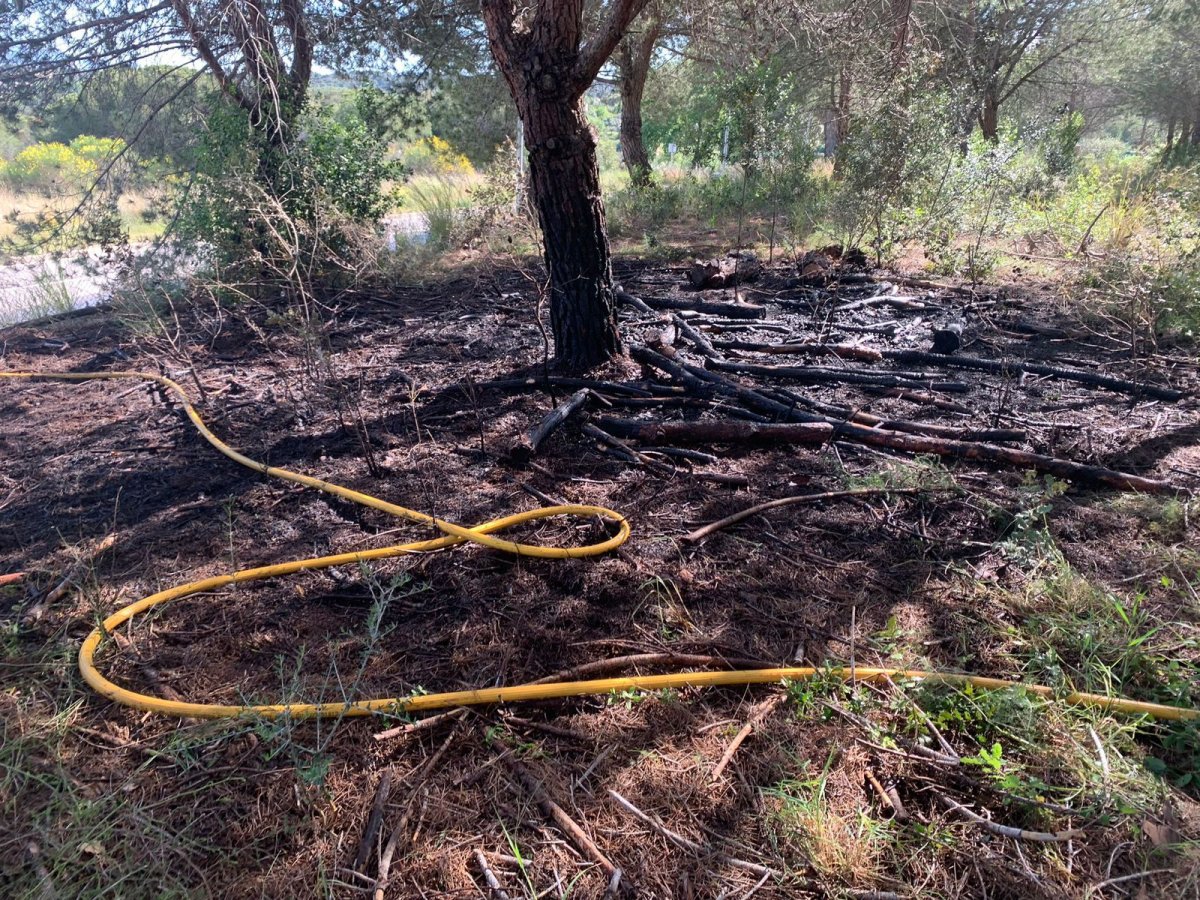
(275,210)
(1149,274)
(893,165)
(439,200)
(472,111)
(603,112)
(1061,142)
(347,160)
(645,209)
(163,106)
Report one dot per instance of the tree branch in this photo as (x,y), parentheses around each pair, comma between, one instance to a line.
(597,51)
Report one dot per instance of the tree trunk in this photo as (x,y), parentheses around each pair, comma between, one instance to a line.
(633,62)
(1170,133)
(842,116)
(901,11)
(547,74)
(841,113)
(830,134)
(565,182)
(989,115)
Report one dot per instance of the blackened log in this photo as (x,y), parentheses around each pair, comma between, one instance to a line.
(1012,368)
(699,341)
(736,268)
(842,351)
(1005,456)
(728,310)
(526,446)
(883,300)
(561,381)
(681,373)
(718,431)
(812,375)
(947,340)
(839,414)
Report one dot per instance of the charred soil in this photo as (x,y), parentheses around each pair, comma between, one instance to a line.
(414,395)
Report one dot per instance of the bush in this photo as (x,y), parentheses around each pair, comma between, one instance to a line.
(891,173)
(303,217)
(644,209)
(438,200)
(1060,143)
(55,169)
(1149,271)
(97,150)
(51,169)
(434,156)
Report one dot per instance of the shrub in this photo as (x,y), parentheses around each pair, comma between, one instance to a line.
(55,169)
(1060,143)
(437,200)
(96,150)
(434,156)
(892,169)
(645,209)
(51,168)
(275,213)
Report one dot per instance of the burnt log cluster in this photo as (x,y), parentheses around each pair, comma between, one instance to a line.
(732,397)
(740,267)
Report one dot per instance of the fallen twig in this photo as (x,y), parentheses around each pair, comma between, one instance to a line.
(549,728)
(705,530)
(1045,837)
(497,892)
(389,851)
(687,844)
(764,710)
(70,580)
(1125,879)
(421,724)
(673,660)
(374,820)
(551,810)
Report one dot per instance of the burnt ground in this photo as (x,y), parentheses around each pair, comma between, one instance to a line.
(1003,574)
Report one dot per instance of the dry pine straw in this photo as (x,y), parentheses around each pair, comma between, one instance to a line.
(234,799)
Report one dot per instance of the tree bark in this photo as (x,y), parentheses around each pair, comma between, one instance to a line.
(633,62)
(840,116)
(548,68)
(989,115)
(565,181)
(901,11)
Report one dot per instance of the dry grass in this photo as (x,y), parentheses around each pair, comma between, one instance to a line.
(135,209)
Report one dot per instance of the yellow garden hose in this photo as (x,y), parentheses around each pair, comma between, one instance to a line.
(478,534)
